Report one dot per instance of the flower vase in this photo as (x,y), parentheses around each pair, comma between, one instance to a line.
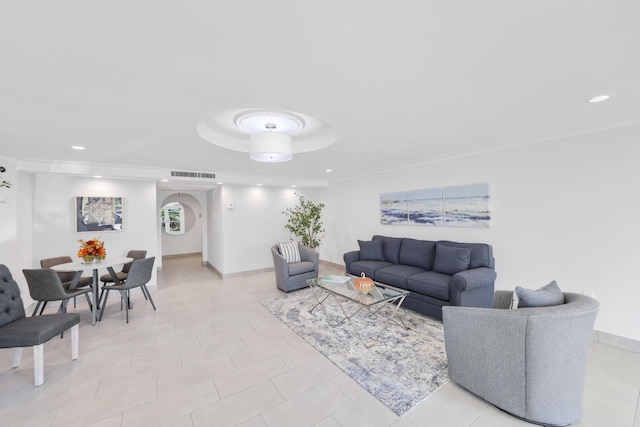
(89,259)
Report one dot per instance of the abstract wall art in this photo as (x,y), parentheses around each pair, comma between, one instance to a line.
(99,214)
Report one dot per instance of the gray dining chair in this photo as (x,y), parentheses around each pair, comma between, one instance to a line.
(66,277)
(121,276)
(45,286)
(138,276)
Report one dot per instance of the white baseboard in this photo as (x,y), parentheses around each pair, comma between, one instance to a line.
(617,341)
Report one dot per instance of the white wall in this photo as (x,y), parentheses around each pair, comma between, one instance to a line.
(54,216)
(563,210)
(253,224)
(16,222)
(192,240)
(215,229)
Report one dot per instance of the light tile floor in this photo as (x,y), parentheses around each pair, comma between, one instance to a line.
(212,356)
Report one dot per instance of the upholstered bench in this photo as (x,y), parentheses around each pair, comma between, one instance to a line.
(18,331)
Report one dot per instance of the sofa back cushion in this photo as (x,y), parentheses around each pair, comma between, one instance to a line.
(481,253)
(391,248)
(417,253)
(371,250)
(451,260)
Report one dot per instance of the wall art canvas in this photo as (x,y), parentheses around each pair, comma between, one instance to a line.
(425,207)
(467,206)
(99,214)
(393,208)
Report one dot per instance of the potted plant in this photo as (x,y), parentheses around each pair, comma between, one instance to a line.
(305,222)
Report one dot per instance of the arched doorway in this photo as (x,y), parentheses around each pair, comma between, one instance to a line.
(181,225)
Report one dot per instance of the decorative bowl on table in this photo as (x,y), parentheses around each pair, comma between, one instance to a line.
(364,284)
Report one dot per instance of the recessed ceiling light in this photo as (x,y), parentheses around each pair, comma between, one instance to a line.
(293,186)
(164,180)
(77,147)
(599,98)
(259,185)
(97,176)
(329,170)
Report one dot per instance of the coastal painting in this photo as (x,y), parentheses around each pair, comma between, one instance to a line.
(98,214)
(393,208)
(425,207)
(467,206)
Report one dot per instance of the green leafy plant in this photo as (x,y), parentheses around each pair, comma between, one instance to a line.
(305,222)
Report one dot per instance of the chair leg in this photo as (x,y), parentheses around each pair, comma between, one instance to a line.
(36,309)
(104,304)
(126,306)
(101,293)
(146,291)
(43,306)
(75,338)
(38,364)
(89,302)
(17,357)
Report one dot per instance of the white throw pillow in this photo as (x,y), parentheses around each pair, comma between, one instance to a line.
(514,301)
(290,252)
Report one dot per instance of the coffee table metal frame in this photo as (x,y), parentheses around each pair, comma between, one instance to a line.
(376,300)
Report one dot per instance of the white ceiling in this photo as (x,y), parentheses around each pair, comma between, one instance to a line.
(401,82)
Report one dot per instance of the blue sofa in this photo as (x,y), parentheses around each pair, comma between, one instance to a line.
(436,274)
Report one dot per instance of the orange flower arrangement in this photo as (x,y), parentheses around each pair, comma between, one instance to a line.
(92,249)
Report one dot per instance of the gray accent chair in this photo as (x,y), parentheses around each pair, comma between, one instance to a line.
(138,277)
(45,286)
(529,362)
(18,331)
(293,276)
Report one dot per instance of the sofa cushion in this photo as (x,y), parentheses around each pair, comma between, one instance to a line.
(481,253)
(418,253)
(391,247)
(301,267)
(396,275)
(450,259)
(367,267)
(430,283)
(371,250)
(289,251)
(546,296)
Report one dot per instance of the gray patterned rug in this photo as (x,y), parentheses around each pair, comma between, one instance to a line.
(404,366)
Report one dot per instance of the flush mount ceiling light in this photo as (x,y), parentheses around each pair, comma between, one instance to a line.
(599,98)
(267,135)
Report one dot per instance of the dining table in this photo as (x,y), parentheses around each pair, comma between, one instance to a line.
(80,266)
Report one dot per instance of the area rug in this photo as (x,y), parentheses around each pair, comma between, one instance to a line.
(403,367)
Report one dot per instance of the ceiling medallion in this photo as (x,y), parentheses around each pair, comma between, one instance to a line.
(267,135)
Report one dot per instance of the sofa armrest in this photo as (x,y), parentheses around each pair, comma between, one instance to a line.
(350,257)
(473,288)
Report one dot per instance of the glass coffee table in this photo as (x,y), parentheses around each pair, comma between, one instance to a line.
(352,302)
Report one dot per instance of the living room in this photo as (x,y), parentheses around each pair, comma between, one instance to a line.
(480,99)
